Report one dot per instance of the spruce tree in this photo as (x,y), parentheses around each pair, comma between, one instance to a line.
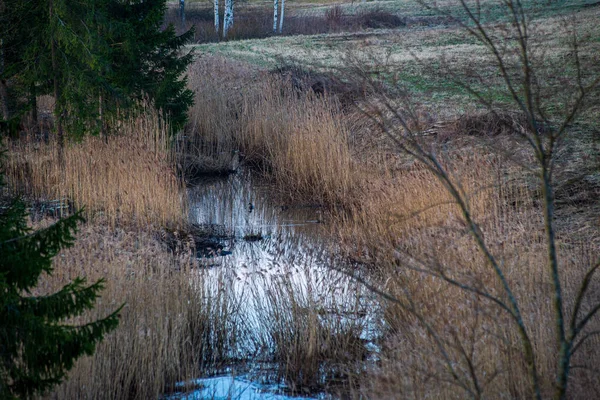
(37,344)
(97,58)
(146,60)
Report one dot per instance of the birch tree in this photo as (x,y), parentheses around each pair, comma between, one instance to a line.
(275,9)
(182,13)
(275,12)
(216,11)
(228,17)
(281,17)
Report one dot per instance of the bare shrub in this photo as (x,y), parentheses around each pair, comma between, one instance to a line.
(376,18)
(486,294)
(334,17)
(320,83)
(485,124)
(256,22)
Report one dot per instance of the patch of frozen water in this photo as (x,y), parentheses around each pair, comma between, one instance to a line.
(229,387)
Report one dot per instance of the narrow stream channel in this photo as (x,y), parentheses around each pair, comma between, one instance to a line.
(272,258)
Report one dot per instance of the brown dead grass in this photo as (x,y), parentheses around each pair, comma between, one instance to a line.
(295,138)
(175,325)
(128,176)
(151,349)
(408,225)
(313,330)
(398,220)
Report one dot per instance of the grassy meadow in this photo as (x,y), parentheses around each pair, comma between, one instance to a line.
(325,113)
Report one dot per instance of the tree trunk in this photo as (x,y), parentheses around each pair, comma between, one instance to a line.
(281,17)
(4,97)
(275,7)
(228,18)
(216,10)
(57,100)
(182,14)
(3,86)
(34,112)
(4,100)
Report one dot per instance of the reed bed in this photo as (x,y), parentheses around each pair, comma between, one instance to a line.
(181,322)
(398,222)
(301,141)
(296,138)
(150,350)
(312,325)
(411,232)
(174,327)
(128,176)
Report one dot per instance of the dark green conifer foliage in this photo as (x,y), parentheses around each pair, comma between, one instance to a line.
(146,61)
(37,346)
(98,58)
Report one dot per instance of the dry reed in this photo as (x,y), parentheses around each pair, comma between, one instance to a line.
(175,325)
(402,221)
(301,141)
(128,176)
(296,138)
(312,324)
(412,231)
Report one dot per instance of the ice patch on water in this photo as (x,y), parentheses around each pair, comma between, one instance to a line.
(235,388)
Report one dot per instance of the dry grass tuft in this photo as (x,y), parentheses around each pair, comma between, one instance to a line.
(300,140)
(313,332)
(150,350)
(409,226)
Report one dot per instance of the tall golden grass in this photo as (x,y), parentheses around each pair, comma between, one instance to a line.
(400,222)
(411,230)
(128,176)
(174,326)
(312,327)
(180,322)
(298,139)
(401,216)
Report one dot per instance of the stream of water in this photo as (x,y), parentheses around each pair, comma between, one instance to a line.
(268,252)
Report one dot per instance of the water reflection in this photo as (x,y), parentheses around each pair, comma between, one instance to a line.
(277,268)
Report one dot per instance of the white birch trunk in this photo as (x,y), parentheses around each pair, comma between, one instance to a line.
(182,13)
(281,17)
(228,17)
(216,9)
(275,7)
